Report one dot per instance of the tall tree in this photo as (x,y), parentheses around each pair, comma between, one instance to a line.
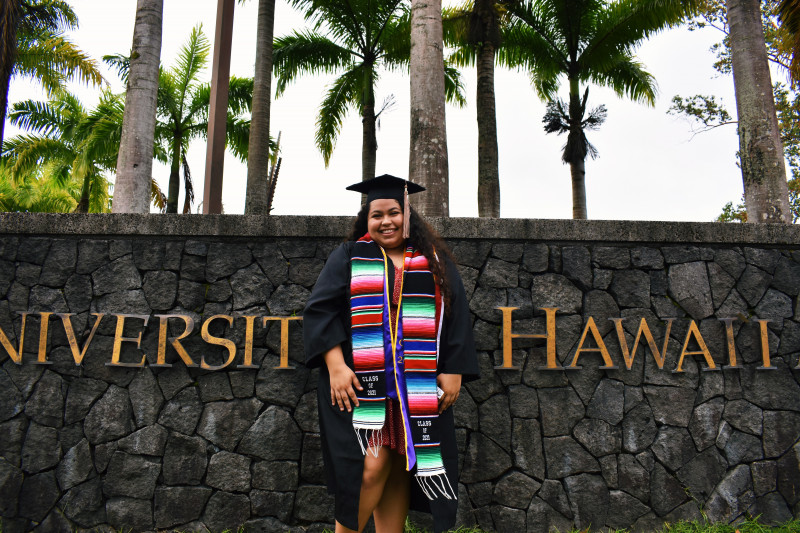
(760,149)
(475,32)
(585,41)
(135,162)
(33,44)
(428,164)
(258,150)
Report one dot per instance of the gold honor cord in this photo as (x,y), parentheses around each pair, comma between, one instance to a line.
(393,332)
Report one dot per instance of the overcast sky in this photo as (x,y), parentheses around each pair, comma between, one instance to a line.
(650,166)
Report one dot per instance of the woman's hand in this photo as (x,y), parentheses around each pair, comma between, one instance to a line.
(451,385)
(343,380)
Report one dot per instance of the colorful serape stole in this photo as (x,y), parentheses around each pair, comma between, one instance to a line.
(367,301)
(413,350)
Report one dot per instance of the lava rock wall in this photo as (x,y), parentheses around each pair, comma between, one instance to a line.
(127,443)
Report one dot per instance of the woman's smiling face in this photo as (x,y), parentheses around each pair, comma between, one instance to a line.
(385,223)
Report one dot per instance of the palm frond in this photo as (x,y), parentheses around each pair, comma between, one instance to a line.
(395,43)
(54,16)
(119,62)
(53,60)
(26,152)
(192,60)
(306,53)
(167,99)
(237,136)
(628,78)
(453,86)
(625,24)
(342,94)
(240,95)
(35,116)
(188,188)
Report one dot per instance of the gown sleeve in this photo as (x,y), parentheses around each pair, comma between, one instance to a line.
(323,327)
(457,351)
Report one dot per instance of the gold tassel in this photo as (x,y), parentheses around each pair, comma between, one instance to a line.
(406,214)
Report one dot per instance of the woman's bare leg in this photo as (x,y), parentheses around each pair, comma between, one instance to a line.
(373,481)
(392,509)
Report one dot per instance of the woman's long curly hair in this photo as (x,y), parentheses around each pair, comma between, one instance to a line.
(425,239)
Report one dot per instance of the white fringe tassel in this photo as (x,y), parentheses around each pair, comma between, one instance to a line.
(431,485)
(363,440)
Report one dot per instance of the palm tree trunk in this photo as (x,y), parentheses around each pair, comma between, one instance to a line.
(488,164)
(428,148)
(135,161)
(9,19)
(83,203)
(369,142)
(576,152)
(760,149)
(258,149)
(174,188)
(577,171)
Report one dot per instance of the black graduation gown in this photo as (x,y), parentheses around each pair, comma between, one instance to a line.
(326,323)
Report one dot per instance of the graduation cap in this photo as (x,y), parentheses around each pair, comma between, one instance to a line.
(390,187)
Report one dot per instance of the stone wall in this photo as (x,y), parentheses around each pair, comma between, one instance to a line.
(163,447)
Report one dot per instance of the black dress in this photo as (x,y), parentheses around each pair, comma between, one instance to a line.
(326,323)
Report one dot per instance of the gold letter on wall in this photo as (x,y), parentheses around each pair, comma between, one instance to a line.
(284,363)
(210,339)
(73,342)
(550,337)
(163,321)
(119,339)
(693,331)
(15,355)
(601,347)
(643,328)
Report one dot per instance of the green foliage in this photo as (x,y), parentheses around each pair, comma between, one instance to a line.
(76,146)
(44,191)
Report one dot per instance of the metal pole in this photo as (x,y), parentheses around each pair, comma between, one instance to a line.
(218,110)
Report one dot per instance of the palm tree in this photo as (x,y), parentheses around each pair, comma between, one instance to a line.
(585,41)
(183,105)
(77,147)
(360,36)
(475,31)
(258,149)
(427,163)
(760,149)
(32,44)
(135,161)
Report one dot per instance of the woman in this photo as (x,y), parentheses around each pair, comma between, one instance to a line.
(389,326)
